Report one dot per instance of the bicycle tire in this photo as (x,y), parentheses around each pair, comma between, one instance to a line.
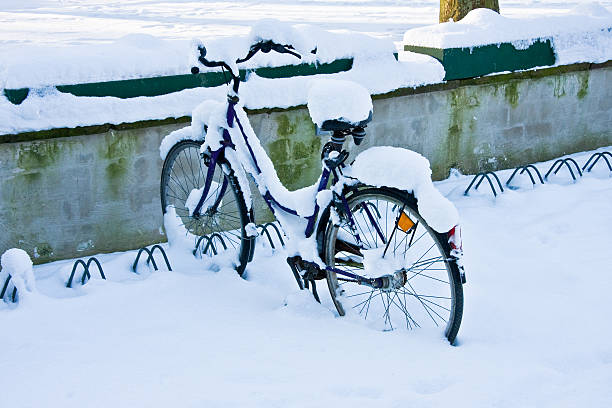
(406,305)
(185,170)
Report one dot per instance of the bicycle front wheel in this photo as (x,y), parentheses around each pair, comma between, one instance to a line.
(220,229)
(390,240)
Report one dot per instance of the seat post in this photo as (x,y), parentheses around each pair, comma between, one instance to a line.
(337,139)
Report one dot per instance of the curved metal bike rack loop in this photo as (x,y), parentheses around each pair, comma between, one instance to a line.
(86,275)
(209,244)
(264,229)
(482,176)
(151,258)
(598,156)
(524,169)
(5,287)
(560,163)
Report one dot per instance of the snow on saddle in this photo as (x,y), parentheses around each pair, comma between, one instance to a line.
(341,105)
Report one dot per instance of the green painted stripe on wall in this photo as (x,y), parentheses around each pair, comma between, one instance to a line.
(471,62)
(131,88)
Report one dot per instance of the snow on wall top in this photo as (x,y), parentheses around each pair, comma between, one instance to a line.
(583,30)
(142,55)
(374,67)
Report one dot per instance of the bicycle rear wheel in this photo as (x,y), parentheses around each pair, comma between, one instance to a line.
(391,239)
(220,229)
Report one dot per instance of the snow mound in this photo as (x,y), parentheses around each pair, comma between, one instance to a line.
(330,99)
(17,263)
(484,26)
(483,17)
(387,166)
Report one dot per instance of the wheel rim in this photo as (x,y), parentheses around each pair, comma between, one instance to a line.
(426,299)
(216,230)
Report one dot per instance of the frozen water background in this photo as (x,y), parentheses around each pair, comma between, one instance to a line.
(49,22)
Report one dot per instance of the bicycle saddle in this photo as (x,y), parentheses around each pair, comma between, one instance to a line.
(339,105)
(342,124)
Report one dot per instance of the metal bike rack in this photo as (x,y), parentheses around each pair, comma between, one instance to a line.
(559,163)
(210,244)
(598,156)
(207,244)
(263,228)
(4,290)
(482,176)
(569,163)
(150,258)
(524,169)
(86,275)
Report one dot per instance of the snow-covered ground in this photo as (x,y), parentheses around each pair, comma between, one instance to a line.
(535,329)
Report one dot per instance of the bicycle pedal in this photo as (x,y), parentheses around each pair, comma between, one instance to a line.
(312,271)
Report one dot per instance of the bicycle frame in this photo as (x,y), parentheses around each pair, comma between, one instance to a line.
(275,205)
(339,202)
(272,203)
(371,228)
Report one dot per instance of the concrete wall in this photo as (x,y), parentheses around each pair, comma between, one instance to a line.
(64,197)
(501,124)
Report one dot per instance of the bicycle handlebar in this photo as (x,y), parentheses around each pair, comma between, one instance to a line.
(263,46)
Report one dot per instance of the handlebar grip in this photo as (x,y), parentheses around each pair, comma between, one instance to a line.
(263,46)
(285,49)
(202,50)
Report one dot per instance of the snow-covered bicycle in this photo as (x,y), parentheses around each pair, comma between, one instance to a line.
(385,240)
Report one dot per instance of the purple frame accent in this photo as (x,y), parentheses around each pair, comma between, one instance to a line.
(374,222)
(269,199)
(209,175)
(375,283)
(350,215)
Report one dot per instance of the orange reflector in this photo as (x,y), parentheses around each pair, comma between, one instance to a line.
(405,223)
